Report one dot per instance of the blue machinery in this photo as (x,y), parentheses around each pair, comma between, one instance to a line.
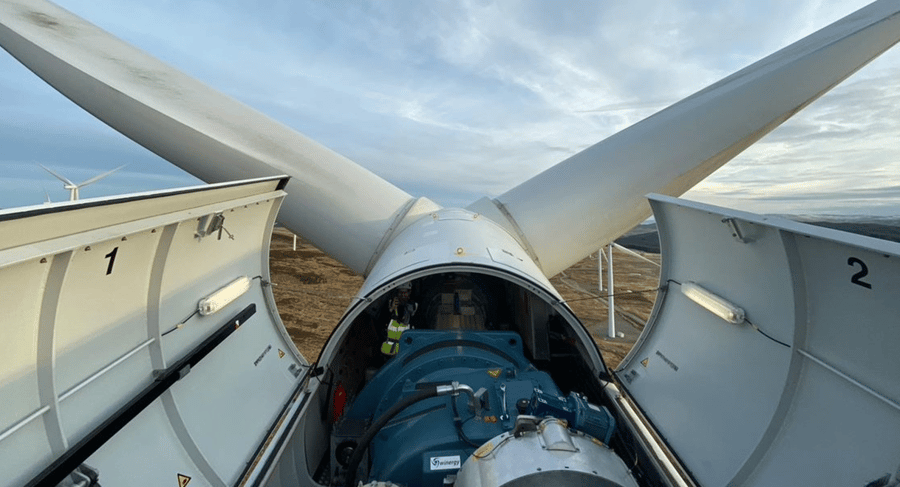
(484,388)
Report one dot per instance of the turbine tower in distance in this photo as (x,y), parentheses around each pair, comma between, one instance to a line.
(72,187)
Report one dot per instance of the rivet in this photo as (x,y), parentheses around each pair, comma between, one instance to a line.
(459,251)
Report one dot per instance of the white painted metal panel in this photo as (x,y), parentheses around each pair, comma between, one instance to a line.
(100,317)
(20,298)
(817,402)
(231,399)
(91,308)
(145,439)
(21,289)
(206,264)
(453,236)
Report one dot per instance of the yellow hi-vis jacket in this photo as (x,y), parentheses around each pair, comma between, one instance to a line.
(394,331)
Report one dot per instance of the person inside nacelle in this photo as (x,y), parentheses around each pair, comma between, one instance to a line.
(401,309)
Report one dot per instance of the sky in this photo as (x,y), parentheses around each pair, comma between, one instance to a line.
(455,100)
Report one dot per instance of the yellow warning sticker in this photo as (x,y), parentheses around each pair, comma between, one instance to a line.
(183,480)
(280,353)
(645,362)
(494,373)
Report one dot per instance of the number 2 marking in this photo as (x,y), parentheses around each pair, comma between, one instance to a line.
(112,259)
(863,272)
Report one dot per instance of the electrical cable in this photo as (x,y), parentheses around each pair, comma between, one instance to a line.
(179,325)
(752,325)
(322,295)
(626,293)
(196,311)
(631,451)
(459,424)
(363,444)
(766,334)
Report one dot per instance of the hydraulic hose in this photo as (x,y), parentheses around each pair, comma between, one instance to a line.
(353,463)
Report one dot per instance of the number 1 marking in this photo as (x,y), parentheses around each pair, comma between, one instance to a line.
(112,258)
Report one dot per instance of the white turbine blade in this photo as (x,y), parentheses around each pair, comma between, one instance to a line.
(583,203)
(99,177)
(342,208)
(58,176)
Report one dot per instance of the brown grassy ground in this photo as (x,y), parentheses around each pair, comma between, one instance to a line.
(312,292)
(635,283)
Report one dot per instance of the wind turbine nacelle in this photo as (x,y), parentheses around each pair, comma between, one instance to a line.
(116,361)
(474,310)
(452,256)
(447,239)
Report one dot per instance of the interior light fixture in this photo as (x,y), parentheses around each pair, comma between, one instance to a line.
(713,303)
(224,296)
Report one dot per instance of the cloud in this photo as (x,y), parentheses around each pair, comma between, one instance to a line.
(840,154)
(457,99)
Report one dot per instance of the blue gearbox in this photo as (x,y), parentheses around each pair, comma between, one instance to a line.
(429,440)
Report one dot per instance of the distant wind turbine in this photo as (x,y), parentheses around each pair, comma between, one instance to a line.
(72,187)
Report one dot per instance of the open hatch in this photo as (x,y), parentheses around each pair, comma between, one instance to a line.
(140,339)
(771,356)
